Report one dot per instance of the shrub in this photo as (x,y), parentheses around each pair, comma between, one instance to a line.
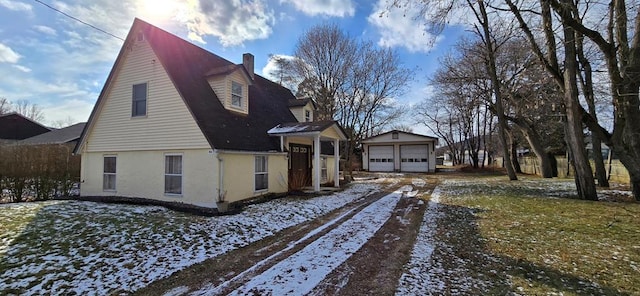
(37,172)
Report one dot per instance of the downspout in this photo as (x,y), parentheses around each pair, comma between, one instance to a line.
(221,193)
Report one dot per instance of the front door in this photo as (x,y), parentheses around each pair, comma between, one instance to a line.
(300,170)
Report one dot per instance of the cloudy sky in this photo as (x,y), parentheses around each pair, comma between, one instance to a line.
(61,64)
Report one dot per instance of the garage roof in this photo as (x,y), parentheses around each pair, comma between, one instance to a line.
(402,137)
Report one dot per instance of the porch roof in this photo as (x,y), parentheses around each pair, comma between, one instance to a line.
(306,129)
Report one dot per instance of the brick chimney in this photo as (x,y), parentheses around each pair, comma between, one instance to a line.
(247,62)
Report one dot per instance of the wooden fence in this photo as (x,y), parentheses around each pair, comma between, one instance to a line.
(616,172)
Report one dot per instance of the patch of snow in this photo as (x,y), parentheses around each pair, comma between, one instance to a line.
(177,291)
(412,193)
(216,290)
(417,278)
(304,270)
(418,182)
(113,248)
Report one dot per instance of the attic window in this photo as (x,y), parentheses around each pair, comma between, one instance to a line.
(394,135)
(236,94)
(307,115)
(139,101)
(140,37)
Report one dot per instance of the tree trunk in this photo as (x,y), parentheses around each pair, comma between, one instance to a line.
(601,171)
(495,83)
(575,139)
(514,155)
(533,138)
(586,82)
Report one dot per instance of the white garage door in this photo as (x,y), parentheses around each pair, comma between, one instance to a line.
(414,158)
(381,158)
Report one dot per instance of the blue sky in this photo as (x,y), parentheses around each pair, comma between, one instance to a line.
(61,64)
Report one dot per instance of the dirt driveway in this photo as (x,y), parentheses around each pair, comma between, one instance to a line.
(355,250)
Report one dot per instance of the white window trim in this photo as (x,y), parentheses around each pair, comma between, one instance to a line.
(266,172)
(307,115)
(115,183)
(164,174)
(241,95)
(146,100)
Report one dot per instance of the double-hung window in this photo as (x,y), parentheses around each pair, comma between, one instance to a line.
(139,101)
(236,94)
(261,175)
(307,115)
(109,173)
(173,174)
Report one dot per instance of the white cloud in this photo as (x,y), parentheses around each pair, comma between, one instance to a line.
(46,30)
(402,28)
(232,22)
(339,8)
(7,55)
(76,109)
(22,68)
(271,67)
(15,5)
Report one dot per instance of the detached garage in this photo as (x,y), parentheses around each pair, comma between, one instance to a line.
(398,151)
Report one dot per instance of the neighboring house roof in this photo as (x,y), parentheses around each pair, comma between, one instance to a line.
(14,126)
(301,102)
(400,132)
(57,136)
(188,66)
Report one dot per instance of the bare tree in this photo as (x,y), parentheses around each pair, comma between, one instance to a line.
(5,106)
(63,122)
(566,79)
(352,82)
(325,55)
(438,13)
(29,110)
(284,71)
(402,127)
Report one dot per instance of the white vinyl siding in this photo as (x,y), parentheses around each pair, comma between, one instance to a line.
(142,174)
(303,113)
(173,174)
(168,123)
(109,173)
(218,84)
(261,173)
(223,86)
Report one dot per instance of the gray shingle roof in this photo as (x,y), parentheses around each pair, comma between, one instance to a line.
(57,136)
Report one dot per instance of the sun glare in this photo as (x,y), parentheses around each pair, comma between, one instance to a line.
(158,9)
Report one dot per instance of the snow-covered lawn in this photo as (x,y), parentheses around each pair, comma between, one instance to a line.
(487,235)
(67,247)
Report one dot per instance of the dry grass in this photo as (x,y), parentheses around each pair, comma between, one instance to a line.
(537,244)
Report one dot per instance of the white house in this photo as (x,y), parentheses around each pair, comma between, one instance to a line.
(398,151)
(176,123)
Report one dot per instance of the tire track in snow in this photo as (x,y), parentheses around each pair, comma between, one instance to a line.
(301,272)
(417,279)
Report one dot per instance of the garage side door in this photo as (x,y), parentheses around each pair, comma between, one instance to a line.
(414,158)
(381,158)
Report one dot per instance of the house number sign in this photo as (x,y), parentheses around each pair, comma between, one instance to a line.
(299,149)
